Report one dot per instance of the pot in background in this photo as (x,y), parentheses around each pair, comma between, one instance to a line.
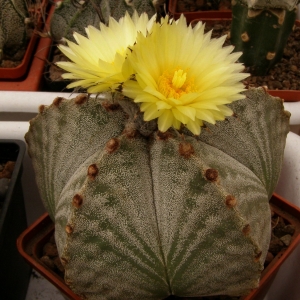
(14,272)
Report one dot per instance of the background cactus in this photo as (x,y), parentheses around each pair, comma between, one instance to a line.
(260,29)
(141,214)
(13,29)
(72,15)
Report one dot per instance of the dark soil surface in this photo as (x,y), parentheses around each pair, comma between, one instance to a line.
(198,5)
(285,75)
(282,233)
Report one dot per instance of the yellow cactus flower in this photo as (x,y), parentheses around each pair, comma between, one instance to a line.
(98,61)
(182,76)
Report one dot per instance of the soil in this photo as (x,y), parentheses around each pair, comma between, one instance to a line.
(281,236)
(204,5)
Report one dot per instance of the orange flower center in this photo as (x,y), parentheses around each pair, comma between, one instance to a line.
(175,84)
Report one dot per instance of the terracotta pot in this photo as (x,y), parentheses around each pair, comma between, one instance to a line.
(32,240)
(287,95)
(34,76)
(14,271)
(21,70)
(192,15)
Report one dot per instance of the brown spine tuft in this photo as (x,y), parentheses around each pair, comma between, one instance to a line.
(42,108)
(92,171)
(68,282)
(80,99)
(230,201)
(110,106)
(112,145)
(57,101)
(69,229)
(186,149)
(64,261)
(246,230)
(257,256)
(164,136)
(77,201)
(130,133)
(211,175)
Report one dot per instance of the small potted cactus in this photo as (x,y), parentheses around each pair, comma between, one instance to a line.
(164,177)
(28,75)
(19,19)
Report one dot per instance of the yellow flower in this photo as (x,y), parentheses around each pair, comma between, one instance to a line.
(99,61)
(183,76)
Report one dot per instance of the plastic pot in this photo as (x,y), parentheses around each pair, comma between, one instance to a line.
(32,240)
(14,272)
(33,78)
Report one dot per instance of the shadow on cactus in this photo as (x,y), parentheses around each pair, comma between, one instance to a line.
(260,29)
(145,204)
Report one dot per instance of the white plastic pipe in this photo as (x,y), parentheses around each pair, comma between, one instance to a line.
(294,109)
(289,181)
(28,102)
(13,130)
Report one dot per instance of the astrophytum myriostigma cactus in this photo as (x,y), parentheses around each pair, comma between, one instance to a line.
(13,29)
(260,29)
(73,16)
(141,214)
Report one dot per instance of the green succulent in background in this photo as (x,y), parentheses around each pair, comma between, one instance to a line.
(13,28)
(73,16)
(260,29)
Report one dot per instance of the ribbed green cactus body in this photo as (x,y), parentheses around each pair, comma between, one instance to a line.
(13,31)
(260,33)
(69,18)
(117,8)
(145,217)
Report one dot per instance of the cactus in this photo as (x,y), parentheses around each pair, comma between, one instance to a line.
(260,29)
(141,214)
(69,17)
(13,29)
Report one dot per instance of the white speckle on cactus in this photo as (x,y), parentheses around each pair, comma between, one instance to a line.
(146,221)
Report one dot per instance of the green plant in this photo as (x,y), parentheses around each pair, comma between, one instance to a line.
(146,205)
(13,28)
(73,15)
(260,29)
(142,214)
